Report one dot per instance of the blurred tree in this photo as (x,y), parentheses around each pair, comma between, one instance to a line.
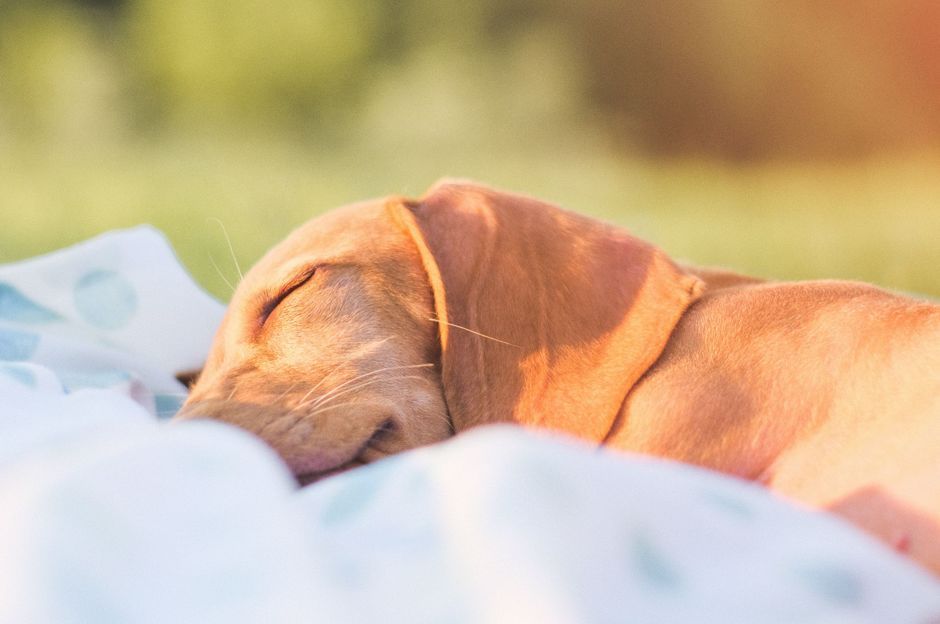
(58,75)
(759,78)
(211,62)
(102,4)
(744,79)
(472,74)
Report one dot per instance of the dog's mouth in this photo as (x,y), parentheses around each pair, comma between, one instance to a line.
(312,477)
(358,458)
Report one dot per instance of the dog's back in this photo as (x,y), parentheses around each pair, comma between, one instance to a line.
(828,392)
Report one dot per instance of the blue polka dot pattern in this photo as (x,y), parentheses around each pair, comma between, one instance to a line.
(19,373)
(17,345)
(167,405)
(16,307)
(651,565)
(835,584)
(105,299)
(731,505)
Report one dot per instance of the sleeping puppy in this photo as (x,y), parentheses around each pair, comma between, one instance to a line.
(392,324)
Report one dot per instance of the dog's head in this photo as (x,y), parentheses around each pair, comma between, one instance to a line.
(387,325)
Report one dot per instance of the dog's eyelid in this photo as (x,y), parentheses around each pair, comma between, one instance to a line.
(271,302)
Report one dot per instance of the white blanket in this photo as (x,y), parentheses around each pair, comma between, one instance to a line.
(109,515)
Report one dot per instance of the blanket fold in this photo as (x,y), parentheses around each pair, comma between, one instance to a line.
(108,514)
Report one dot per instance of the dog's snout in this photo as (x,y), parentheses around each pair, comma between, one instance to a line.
(195,409)
(185,413)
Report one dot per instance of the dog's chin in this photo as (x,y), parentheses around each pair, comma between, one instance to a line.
(386,440)
(308,478)
(312,467)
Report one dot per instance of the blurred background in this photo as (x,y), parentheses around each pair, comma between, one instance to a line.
(793,139)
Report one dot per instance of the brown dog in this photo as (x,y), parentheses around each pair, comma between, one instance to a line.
(392,324)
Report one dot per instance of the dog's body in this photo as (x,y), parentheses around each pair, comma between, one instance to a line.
(472,306)
(827,392)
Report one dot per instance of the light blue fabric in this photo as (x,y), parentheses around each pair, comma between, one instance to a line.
(109,515)
(117,311)
(17,308)
(105,299)
(503,525)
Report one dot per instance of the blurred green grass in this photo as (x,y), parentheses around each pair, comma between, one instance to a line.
(876,220)
(262,115)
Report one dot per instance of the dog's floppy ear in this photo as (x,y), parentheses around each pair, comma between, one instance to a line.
(546,317)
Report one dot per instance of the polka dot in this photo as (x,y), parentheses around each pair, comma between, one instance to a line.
(651,565)
(167,405)
(19,373)
(730,505)
(17,345)
(835,584)
(16,307)
(105,299)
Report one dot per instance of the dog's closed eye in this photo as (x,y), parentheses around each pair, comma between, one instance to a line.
(271,302)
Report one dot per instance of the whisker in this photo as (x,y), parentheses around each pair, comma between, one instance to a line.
(318,409)
(300,403)
(329,407)
(298,419)
(321,406)
(219,271)
(322,401)
(446,418)
(372,372)
(449,423)
(284,394)
(330,374)
(367,348)
(230,248)
(476,333)
(334,394)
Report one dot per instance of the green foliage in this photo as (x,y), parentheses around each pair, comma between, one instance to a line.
(743,79)
(263,113)
(229,60)
(59,78)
